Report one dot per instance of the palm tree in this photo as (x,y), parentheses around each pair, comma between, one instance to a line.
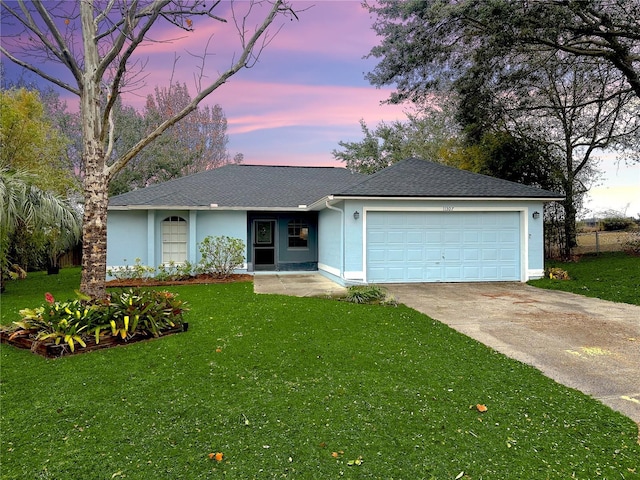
(22,203)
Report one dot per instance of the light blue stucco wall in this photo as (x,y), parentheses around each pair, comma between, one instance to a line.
(126,238)
(135,234)
(330,244)
(532,246)
(211,223)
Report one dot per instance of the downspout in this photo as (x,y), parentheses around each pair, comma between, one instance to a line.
(342,239)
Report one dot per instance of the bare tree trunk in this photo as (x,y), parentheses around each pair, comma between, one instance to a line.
(94,229)
(570,231)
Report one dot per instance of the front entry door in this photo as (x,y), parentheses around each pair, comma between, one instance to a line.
(264,248)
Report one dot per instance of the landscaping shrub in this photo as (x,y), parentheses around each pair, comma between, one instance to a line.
(175,271)
(137,271)
(369,294)
(123,314)
(555,273)
(221,255)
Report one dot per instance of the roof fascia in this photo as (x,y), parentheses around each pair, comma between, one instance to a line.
(300,208)
(338,198)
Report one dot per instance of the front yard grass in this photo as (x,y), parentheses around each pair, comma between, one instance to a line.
(300,388)
(610,276)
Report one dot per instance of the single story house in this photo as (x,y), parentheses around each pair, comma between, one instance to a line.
(414,221)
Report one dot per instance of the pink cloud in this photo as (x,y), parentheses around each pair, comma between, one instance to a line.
(257,106)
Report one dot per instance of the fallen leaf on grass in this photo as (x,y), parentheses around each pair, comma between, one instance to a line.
(481,408)
(218,456)
(358,461)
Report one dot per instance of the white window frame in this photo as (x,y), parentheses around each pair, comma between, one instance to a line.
(174,240)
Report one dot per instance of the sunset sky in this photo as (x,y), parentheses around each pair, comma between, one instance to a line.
(308,90)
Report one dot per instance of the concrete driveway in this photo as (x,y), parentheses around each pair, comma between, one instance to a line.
(588,344)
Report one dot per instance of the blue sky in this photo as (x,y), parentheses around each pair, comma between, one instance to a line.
(308,91)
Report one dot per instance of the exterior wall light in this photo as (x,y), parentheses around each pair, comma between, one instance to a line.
(536,215)
(356,214)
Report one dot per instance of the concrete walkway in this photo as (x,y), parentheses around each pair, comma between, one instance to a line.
(296,284)
(584,343)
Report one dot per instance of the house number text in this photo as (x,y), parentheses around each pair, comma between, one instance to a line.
(447,208)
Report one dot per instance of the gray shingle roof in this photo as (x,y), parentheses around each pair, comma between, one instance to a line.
(281,187)
(244,186)
(422,178)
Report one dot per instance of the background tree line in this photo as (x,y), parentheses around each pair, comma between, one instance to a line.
(528,91)
(41,165)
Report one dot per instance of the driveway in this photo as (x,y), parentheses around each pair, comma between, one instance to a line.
(588,344)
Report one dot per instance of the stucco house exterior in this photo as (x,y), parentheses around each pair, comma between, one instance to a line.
(415,221)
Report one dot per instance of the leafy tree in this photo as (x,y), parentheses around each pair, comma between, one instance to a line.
(101,64)
(25,206)
(29,141)
(197,143)
(513,82)
(428,135)
(430,43)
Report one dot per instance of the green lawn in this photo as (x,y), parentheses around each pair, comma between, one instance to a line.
(610,276)
(295,388)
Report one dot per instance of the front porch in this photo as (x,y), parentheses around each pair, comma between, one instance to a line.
(282,241)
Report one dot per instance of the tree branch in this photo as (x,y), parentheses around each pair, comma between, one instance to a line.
(279,6)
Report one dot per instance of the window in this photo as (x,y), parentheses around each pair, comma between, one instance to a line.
(174,240)
(298,234)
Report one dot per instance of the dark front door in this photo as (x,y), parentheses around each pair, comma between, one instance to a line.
(264,248)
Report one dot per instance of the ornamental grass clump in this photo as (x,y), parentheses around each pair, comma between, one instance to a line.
(122,314)
(369,294)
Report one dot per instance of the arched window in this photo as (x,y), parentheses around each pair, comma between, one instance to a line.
(174,240)
(298,234)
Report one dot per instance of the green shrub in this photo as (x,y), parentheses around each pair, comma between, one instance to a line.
(611,224)
(556,273)
(369,294)
(124,314)
(175,271)
(137,271)
(221,255)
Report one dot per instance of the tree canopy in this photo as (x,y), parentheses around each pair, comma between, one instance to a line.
(29,141)
(559,79)
(94,41)
(197,143)
(431,43)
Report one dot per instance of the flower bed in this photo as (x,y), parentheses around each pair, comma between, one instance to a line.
(51,350)
(61,328)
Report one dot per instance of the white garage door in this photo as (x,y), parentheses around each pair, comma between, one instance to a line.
(443,246)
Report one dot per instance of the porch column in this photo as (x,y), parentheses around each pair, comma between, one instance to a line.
(151,238)
(192,250)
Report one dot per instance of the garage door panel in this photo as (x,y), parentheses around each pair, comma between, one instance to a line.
(443,247)
(395,255)
(489,254)
(507,254)
(415,255)
(396,237)
(470,254)
(452,255)
(415,237)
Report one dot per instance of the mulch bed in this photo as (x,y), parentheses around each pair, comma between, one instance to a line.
(195,280)
(51,350)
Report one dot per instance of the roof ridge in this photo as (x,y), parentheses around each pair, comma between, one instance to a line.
(289,166)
